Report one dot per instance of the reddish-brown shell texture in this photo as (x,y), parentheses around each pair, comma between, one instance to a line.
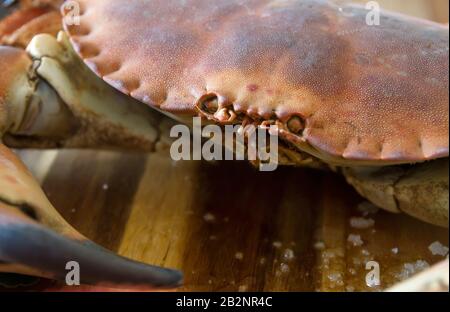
(13,62)
(366,92)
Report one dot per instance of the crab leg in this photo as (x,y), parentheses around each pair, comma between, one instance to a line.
(420,191)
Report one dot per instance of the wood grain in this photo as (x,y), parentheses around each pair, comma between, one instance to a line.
(230,227)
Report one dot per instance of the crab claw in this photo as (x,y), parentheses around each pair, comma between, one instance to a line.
(35,240)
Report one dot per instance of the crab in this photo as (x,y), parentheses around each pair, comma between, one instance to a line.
(367,101)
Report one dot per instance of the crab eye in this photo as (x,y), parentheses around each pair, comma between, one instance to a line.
(295,125)
(210,105)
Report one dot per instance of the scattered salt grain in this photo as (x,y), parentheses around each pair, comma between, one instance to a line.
(355,240)
(262,261)
(394,250)
(365,252)
(319,246)
(327,255)
(336,278)
(288,254)
(437,249)
(352,271)
(105,187)
(239,256)
(277,244)
(209,217)
(361,223)
(284,268)
(350,289)
(410,269)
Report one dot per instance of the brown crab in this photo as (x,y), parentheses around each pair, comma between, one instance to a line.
(368,101)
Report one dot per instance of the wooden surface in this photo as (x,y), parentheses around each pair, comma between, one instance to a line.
(229,227)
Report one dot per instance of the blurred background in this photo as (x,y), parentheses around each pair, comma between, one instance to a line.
(436,10)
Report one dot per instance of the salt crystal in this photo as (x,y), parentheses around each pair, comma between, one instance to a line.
(284,268)
(355,240)
(437,249)
(209,217)
(361,223)
(394,250)
(239,256)
(105,187)
(262,261)
(365,252)
(328,254)
(277,244)
(409,269)
(319,246)
(336,278)
(350,288)
(288,254)
(352,271)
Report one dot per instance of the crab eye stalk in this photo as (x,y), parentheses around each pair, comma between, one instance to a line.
(295,125)
(210,105)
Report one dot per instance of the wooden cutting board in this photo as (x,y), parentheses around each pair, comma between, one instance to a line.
(229,227)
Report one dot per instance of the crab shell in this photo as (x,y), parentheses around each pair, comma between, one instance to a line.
(343,92)
(34,17)
(366,94)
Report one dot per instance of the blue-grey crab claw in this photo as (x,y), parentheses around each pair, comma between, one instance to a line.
(35,240)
